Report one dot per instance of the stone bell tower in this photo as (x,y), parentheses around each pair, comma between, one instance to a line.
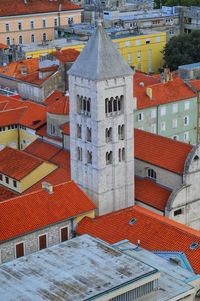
(101,124)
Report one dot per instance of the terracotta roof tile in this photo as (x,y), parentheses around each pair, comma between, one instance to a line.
(150,193)
(66,55)
(54,96)
(18,7)
(159,151)
(39,209)
(62,159)
(50,68)
(34,115)
(65,128)
(162,93)
(6,193)
(14,69)
(3,46)
(59,107)
(11,116)
(195,84)
(154,231)
(42,149)
(17,164)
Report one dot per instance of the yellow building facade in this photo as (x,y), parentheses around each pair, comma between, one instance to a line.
(25,29)
(143,52)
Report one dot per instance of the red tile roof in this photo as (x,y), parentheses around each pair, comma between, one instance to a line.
(34,116)
(159,151)
(17,164)
(40,209)
(62,159)
(18,7)
(65,128)
(154,231)
(34,79)
(150,193)
(8,102)
(195,84)
(3,46)
(14,69)
(50,68)
(60,106)
(162,93)
(6,193)
(66,55)
(42,149)
(11,116)
(29,114)
(54,96)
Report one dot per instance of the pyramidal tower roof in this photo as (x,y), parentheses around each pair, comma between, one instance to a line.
(100,60)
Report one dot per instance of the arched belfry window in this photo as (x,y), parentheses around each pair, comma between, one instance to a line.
(83,105)
(114,105)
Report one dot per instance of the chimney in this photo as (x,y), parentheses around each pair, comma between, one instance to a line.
(149,92)
(166,76)
(48,187)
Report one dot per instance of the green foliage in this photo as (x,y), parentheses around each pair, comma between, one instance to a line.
(159,3)
(183,49)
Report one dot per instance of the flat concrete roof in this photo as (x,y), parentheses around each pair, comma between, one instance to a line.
(83,268)
(49,45)
(173,280)
(190,66)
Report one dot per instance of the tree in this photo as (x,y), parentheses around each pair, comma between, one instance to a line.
(183,49)
(159,3)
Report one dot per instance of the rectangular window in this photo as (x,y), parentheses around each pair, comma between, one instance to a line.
(186,136)
(153,128)
(7,27)
(140,116)
(186,120)
(7,180)
(186,105)
(157,39)
(162,126)
(55,21)
(32,24)
(64,234)
(19,250)
(1,177)
(20,25)
(42,240)
(129,58)
(163,111)
(148,41)
(175,108)
(153,113)
(44,23)
(174,123)
(14,183)
(178,212)
(137,42)
(127,43)
(139,56)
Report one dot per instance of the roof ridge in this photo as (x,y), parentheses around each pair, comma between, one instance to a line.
(167,221)
(34,192)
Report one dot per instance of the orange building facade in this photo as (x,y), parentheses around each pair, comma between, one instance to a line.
(34,21)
